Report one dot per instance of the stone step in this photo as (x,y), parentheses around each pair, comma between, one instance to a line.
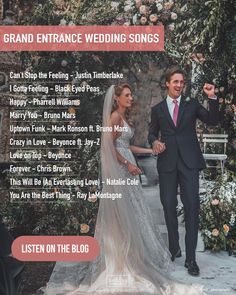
(158,216)
(152,196)
(164,234)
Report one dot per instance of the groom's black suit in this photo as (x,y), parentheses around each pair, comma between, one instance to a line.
(180,164)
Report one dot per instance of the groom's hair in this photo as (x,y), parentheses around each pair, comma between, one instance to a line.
(172,71)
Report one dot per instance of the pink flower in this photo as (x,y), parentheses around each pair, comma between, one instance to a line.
(153,18)
(215,202)
(143,20)
(92,198)
(171,27)
(168,5)
(84,228)
(138,3)
(221,100)
(143,9)
(215,232)
(173,16)
(226,228)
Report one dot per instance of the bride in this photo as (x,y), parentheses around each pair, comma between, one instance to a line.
(133,258)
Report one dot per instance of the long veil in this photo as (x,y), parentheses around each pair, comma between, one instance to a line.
(123,248)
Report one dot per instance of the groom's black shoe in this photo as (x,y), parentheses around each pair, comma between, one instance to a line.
(176,255)
(192,267)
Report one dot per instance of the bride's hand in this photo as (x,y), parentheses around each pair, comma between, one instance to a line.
(134,170)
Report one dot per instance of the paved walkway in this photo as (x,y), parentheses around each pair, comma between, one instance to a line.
(217,273)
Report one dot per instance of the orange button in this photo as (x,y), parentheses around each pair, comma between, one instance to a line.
(55,248)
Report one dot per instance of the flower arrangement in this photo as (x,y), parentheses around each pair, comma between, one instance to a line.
(218,214)
(148,12)
(154,13)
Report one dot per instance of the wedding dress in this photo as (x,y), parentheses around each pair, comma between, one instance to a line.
(133,258)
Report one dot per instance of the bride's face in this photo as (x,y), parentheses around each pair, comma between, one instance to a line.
(125,99)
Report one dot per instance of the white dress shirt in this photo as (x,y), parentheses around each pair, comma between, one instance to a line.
(171,105)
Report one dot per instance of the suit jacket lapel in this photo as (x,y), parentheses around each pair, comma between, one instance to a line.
(167,114)
(181,110)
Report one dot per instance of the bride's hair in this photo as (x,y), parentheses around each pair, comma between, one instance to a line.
(117,92)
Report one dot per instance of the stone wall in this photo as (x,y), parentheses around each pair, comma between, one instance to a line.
(149,89)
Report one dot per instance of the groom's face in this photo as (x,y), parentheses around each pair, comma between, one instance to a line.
(175,85)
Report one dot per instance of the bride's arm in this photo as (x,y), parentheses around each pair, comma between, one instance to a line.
(139,150)
(116,120)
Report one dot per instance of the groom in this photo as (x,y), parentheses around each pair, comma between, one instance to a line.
(172,134)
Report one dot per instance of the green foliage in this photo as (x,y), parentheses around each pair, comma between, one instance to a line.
(205,39)
(218,214)
(96,12)
(59,217)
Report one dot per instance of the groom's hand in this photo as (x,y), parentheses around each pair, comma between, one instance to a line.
(209,89)
(158,147)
